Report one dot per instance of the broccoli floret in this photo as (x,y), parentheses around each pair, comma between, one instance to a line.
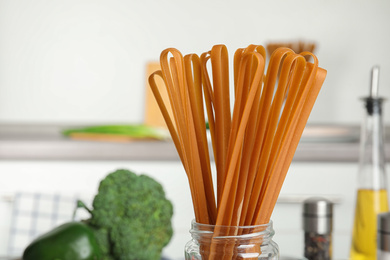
(135,213)
(102,238)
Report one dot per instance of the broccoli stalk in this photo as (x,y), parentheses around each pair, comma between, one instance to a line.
(131,217)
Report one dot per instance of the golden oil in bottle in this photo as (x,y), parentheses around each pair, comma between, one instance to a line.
(369,203)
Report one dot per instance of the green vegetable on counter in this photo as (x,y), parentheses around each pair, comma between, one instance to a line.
(136,131)
(73,240)
(130,220)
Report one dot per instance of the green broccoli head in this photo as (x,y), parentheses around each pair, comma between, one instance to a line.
(102,238)
(136,214)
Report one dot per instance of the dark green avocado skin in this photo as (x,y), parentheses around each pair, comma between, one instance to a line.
(70,241)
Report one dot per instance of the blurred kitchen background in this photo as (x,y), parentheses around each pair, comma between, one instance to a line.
(84,62)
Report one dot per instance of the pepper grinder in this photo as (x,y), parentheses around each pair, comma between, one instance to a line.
(318,226)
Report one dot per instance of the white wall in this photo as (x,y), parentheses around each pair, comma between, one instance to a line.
(83,60)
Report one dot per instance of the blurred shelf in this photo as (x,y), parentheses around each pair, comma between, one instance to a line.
(45,142)
(322,143)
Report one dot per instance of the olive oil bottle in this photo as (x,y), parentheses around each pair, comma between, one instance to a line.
(372,197)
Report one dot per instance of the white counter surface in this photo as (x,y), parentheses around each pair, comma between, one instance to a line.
(45,142)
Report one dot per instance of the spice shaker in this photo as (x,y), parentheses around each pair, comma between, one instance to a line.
(317,226)
(383,245)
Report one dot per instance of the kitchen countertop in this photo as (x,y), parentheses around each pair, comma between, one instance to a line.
(324,143)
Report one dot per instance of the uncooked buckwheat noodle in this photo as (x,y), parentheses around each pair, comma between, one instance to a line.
(253,143)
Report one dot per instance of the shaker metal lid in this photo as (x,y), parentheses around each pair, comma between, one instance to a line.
(317,207)
(384,222)
(317,215)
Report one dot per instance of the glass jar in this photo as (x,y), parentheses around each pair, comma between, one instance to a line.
(230,242)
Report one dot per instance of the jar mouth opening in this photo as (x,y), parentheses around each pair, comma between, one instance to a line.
(225,232)
(210,226)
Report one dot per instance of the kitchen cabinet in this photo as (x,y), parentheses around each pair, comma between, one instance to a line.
(67,178)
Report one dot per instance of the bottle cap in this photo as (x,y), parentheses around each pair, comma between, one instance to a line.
(374,82)
(373,103)
(384,231)
(318,215)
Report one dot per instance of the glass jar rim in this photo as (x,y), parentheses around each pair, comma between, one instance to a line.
(204,227)
(262,230)
(267,225)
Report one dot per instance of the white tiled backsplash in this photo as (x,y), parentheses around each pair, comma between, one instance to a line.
(335,181)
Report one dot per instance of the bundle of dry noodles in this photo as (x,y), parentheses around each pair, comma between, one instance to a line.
(254,134)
